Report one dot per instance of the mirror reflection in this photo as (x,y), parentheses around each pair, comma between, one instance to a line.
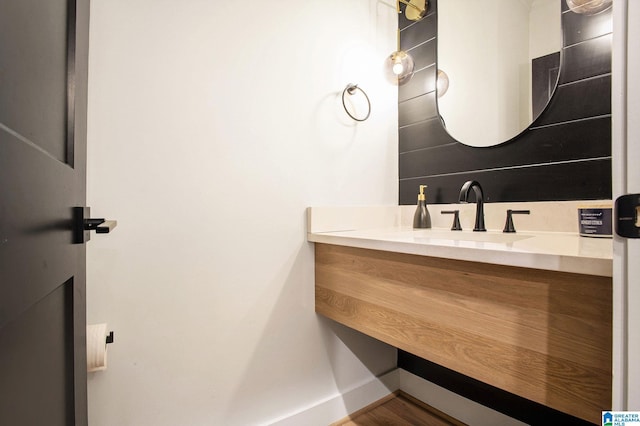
(502,61)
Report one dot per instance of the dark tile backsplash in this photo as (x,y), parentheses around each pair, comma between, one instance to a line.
(539,146)
(587,59)
(423,81)
(415,109)
(419,32)
(425,134)
(577,28)
(569,181)
(564,155)
(424,55)
(579,100)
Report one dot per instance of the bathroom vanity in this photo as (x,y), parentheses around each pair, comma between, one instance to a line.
(529,313)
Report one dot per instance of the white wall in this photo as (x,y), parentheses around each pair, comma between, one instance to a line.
(212,126)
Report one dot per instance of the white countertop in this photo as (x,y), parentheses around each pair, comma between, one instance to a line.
(554,251)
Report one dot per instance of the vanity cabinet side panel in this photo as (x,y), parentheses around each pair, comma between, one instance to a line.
(542,335)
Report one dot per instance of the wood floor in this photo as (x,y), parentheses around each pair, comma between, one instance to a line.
(398,409)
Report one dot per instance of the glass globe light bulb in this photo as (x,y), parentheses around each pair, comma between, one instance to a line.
(399,67)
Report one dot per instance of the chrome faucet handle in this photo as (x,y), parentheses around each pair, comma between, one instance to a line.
(508,226)
(456,219)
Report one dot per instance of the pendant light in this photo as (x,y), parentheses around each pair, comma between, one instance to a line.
(399,65)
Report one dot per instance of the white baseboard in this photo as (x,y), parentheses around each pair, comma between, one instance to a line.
(342,404)
(456,406)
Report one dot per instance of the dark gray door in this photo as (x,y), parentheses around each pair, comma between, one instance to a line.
(43,89)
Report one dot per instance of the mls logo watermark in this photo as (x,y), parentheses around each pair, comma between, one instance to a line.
(621,418)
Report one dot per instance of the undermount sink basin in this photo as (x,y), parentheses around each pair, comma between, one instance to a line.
(485,237)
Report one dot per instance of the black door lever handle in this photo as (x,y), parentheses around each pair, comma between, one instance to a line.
(83,225)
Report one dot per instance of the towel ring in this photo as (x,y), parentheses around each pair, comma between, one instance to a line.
(351,90)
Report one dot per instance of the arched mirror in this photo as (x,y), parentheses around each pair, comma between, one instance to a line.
(501,59)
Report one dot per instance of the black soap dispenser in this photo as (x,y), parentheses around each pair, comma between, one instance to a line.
(422,219)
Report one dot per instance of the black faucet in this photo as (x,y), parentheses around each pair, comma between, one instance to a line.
(464,198)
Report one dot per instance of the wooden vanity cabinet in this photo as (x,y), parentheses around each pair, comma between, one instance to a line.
(543,335)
